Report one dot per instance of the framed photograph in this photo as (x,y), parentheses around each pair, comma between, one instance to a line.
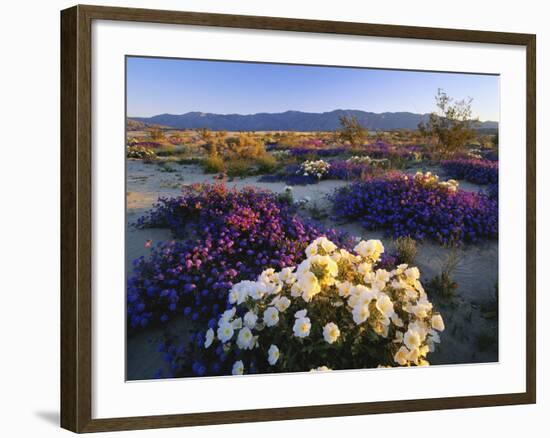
(270,218)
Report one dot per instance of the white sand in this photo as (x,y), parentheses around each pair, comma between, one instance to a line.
(476,272)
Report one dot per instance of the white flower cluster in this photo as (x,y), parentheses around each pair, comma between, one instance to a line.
(428,179)
(317,168)
(356,159)
(334,300)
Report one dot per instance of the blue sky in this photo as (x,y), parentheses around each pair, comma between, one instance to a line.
(177,86)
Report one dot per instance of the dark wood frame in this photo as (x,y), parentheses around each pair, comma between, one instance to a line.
(76,225)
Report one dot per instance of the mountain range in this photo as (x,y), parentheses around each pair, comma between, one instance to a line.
(291,121)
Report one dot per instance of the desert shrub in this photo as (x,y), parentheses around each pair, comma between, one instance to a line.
(451,125)
(474,170)
(266,163)
(239,167)
(212,142)
(289,140)
(188,160)
(405,247)
(420,207)
(246,146)
(213,164)
(351,131)
(227,236)
(166,150)
(156,134)
(443,283)
(140,152)
(176,139)
(333,310)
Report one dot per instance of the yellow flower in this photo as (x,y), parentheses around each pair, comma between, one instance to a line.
(437,322)
(384,305)
(370,249)
(309,285)
(343,288)
(360,313)
(412,339)
(402,356)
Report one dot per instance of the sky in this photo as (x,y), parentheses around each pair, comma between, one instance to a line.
(177,86)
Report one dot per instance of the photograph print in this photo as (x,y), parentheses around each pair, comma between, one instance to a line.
(298,218)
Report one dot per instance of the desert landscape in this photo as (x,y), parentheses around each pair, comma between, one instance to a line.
(214,215)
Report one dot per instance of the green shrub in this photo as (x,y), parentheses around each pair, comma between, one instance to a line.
(239,168)
(406,250)
(166,150)
(213,165)
(266,163)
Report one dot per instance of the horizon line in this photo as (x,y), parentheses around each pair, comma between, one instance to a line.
(287,111)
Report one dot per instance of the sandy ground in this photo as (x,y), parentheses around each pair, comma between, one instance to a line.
(471,329)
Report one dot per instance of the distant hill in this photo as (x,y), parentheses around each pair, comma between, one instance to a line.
(290,121)
(136,125)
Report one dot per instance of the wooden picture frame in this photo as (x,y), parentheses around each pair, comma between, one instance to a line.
(76,217)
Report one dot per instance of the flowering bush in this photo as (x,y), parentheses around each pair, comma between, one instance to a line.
(323,153)
(308,172)
(382,149)
(350,170)
(475,170)
(317,168)
(431,181)
(140,152)
(335,310)
(229,236)
(419,207)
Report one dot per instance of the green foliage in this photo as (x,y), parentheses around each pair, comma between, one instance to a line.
(266,163)
(351,131)
(406,250)
(450,126)
(213,164)
(166,150)
(239,168)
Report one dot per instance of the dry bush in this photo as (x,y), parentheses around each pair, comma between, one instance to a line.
(213,164)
